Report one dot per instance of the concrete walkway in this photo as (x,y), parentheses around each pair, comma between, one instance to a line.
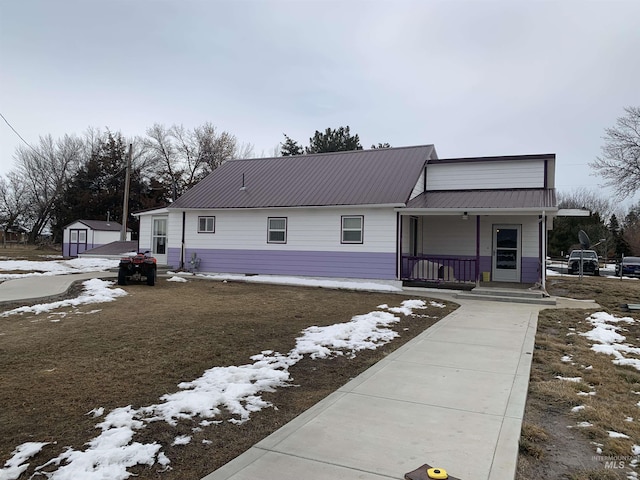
(43,287)
(452,397)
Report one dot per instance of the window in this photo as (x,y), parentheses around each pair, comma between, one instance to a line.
(73,236)
(82,236)
(206,224)
(277,230)
(352,229)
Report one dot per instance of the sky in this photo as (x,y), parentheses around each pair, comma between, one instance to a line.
(474,78)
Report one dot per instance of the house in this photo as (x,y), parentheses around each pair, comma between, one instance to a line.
(396,214)
(82,235)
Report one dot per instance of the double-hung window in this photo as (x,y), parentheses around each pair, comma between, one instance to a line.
(352,229)
(206,224)
(277,230)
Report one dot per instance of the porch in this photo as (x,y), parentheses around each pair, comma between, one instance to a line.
(463,251)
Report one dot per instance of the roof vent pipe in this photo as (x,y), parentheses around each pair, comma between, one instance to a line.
(243,187)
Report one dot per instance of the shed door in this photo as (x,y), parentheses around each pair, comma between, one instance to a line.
(506,253)
(77,241)
(159,239)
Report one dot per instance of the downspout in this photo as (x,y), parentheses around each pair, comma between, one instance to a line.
(399,246)
(477,249)
(543,238)
(182,242)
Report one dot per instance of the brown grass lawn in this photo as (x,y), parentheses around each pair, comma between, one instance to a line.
(548,448)
(134,350)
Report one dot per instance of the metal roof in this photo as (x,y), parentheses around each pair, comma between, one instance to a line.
(486,199)
(359,177)
(101,225)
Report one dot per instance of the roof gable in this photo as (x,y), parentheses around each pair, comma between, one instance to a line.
(360,177)
(100,225)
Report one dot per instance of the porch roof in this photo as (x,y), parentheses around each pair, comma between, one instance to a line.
(475,200)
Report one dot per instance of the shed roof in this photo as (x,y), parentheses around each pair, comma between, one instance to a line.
(486,199)
(360,177)
(100,225)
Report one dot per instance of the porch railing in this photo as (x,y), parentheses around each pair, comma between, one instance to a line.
(439,269)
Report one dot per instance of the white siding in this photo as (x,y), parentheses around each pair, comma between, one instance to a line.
(530,234)
(487,175)
(98,237)
(314,229)
(449,236)
(419,188)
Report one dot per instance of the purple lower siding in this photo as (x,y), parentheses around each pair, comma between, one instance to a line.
(530,270)
(285,262)
(73,249)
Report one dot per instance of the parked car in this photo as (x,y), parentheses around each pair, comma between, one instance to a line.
(589,262)
(629,266)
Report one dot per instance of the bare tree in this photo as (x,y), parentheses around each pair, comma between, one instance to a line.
(45,171)
(13,202)
(619,163)
(587,199)
(182,157)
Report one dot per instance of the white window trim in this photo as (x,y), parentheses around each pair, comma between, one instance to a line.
(213,230)
(269,229)
(343,229)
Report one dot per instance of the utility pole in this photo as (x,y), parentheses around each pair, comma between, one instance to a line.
(125,205)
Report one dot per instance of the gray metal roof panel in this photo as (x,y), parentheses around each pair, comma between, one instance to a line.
(359,177)
(506,198)
(100,225)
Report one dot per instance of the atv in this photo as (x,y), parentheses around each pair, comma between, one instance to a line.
(137,267)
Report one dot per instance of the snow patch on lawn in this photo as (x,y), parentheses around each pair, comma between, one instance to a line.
(95,291)
(608,341)
(177,279)
(236,389)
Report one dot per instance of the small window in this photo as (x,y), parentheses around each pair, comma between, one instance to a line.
(206,224)
(82,236)
(73,236)
(352,228)
(277,230)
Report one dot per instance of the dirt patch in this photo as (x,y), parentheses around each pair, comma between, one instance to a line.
(57,367)
(574,443)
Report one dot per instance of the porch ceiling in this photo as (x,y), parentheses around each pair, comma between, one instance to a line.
(485,200)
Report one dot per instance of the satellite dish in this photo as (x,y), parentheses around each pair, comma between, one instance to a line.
(583,238)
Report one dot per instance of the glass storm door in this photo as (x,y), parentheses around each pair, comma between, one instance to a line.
(159,240)
(506,253)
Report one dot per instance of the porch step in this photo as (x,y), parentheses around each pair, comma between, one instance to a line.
(510,297)
(508,292)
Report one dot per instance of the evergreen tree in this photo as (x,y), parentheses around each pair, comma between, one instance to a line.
(338,140)
(290,147)
(96,192)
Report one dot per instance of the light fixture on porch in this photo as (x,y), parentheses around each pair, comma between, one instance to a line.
(465,216)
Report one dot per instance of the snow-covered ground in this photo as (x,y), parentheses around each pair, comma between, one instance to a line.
(234,389)
(53,267)
(606,333)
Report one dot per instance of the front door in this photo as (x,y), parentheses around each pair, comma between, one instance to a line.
(159,240)
(506,253)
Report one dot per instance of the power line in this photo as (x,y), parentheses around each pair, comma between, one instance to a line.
(19,136)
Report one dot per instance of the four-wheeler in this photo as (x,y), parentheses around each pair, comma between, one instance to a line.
(589,262)
(137,267)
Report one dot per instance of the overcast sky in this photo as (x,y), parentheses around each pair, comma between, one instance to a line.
(474,78)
